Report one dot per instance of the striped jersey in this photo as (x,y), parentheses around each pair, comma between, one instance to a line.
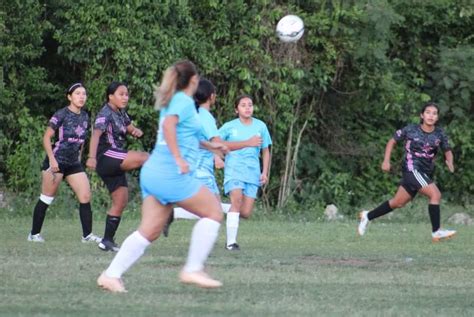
(113,125)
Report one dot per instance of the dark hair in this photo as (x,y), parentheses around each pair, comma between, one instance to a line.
(176,77)
(73,87)
(426,105)
(204,91)
(239,98)
(112,88)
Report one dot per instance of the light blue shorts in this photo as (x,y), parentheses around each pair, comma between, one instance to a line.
(209,182)
(167,185)
(248,189)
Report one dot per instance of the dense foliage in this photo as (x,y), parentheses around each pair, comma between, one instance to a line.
(331,101)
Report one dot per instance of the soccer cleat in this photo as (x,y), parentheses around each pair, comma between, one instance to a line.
(199,278)
(363,223)
(166,228)
(91,238)
(111,284)
(442,234)
(35,237)
(233,247)
(107,245)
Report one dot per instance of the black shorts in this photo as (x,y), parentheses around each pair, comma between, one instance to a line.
(415,180)
(108,168)
(65,169)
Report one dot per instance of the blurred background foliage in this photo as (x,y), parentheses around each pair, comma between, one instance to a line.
(331,101)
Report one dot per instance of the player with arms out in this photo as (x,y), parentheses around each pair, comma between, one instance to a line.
(421,143)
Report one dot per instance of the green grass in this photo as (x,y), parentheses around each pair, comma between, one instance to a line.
(284,269)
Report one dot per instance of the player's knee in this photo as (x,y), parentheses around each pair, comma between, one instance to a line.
(245,214)
(143,157)
(218,217)
(395,204)
(118,207)
(435,197)
(151,233)
(236,203)
(84,197)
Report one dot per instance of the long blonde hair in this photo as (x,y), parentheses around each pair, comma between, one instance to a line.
(176,77)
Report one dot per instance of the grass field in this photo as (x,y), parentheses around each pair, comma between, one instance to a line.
(284,269)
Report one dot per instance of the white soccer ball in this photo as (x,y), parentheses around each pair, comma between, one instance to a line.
(290,28)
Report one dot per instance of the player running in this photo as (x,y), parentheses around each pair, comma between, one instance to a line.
(242,174)
(421,143)
(167,178)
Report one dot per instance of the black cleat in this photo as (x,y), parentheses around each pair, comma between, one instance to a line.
(233,247)
(166,228)
(107,245)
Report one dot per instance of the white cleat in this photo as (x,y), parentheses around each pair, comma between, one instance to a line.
(363,223)
(91,238)
(111,284)
(199,278)
(442,234)
(35,237)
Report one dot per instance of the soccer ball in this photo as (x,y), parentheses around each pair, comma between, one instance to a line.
(290,28)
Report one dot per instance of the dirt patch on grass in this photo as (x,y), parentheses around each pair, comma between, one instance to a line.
(319,260)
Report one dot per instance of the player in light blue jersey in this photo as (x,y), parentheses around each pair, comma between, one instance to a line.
(205,98)
(242,173)
(167,178)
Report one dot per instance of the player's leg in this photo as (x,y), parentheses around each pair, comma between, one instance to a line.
(154,216)
(210,183)
(109,169)
(434,195)
(133,160)
(248,200)
(401,198)
(119,202)
(233,216)
(242,197)
(79,183)
(49,186)
(204,204)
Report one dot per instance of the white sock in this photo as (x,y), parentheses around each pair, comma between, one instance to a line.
(232,224)
(204,236)
(225,207)
(131,250)
(184,214)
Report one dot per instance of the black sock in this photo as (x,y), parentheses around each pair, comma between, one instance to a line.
(38,216)
(111,225)
(85,213)
(434,217)
(381,210)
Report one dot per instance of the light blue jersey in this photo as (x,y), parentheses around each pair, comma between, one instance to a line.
(244,164)
(188,132)
(205,161)
(160,175)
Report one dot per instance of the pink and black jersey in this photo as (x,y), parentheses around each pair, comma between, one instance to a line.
(71,130)
(421,147)
(114,125)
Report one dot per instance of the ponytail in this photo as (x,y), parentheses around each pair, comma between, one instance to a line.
(167,88)
(176,77)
